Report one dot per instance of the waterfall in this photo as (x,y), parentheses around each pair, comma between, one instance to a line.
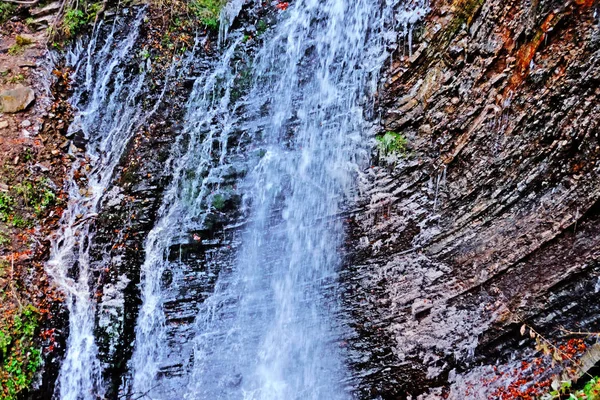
(285,148)
(269,328)
(107,111)
(208,120)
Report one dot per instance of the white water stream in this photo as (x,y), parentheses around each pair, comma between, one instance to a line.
(269,331)
(270,328)
(107,109)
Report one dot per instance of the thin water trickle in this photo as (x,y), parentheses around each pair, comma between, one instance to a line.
(207,120)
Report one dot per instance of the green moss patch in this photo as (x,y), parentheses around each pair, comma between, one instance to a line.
(207,11)
(19,357)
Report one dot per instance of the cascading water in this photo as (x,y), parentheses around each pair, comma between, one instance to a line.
(183,211)
(269,329)
(265,325)
(107,111)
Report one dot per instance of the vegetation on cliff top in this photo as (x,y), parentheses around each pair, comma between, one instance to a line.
(207,11)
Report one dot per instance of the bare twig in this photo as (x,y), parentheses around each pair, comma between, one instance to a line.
(556,349)
(539,335)
(140,394)
(568,332)
(58,17)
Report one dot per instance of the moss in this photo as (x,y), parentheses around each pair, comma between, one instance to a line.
(218,202)
(21,42)
(129,177)
(261,27)
(20,359)
(207,11)
(391,143)
(7,10)
(243,80)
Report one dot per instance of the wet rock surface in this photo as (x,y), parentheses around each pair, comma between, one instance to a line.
(488,221)
(131,208)
(490,218)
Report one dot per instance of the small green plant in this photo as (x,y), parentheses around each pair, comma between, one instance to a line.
(261,27)
(37,195)
(7,10)
(27,153)
(16,78)
(6,206)
(5,340)
(46,199)
(166,41)
(591,390)
(26,190)
(75,19)
(218,202)
(20,359)
(562,390)
(20,222)
(391,143)
(145,54)
(558,390)
(207,11)
(15,50)
(4,240)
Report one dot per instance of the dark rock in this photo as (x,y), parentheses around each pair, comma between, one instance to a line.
(493,217)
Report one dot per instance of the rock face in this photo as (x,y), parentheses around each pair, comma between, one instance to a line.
(491,218)
(17,99)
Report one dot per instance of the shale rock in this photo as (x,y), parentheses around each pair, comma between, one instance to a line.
(491,219)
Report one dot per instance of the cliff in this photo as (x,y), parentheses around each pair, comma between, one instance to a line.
(489,220)
(471,260)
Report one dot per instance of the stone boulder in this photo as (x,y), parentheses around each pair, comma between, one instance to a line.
(17,99)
